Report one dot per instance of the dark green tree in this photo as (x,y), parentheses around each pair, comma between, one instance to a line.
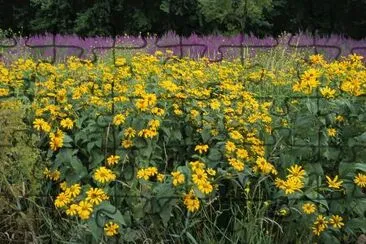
(235,16)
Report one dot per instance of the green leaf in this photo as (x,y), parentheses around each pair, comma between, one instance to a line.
(107,209)
(165,214)
(95,229)
(359,206)
(328,238)
(96,158)
(177,135)
(164,6)
(67,139)
(139,142)
(361,138)
(312,107)
(146,152)
(317,197)
(90,146)
(331,153)
(206,135)
(356,224)
(191,238)
(347,168)
(214,154)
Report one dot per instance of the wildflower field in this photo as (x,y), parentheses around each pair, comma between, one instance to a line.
(157,149)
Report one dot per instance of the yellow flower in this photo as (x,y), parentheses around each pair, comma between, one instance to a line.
(194,113)
(281,184)
(235,135)
(148,133)
(157,111)
(67,123)
(85,209)
(241,153)
(339,118)
(4,92)
(120,61)
(327,92)
(73,190)
(113,159)
(127,144)
(41,125)
(160,177)
(142,174)
(150,98)
(201,148)
(96,195)
(146,173)
(215,104)
(178,112)
(293,184)
(320,224)
(336,221)
(141,104)
(331,132)
(129,132)
(104,175)
(52,175)
(63,185)
(119,119)
(111,229)
(62,200)
(178,178)
(309,208)
(72,210)
(296,171)
(196,165)
(230,146)
(211,171)
(360,180)
(264,166)
(317,59)
(205,187)
(56,140)
(335,183)
(283,212)
(236,164)
(191,201)
(199,176)
(151,171)
(154,124)
(158,53)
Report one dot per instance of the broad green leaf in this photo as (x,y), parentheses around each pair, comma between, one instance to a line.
(107,209)
(317,197)
(214,154)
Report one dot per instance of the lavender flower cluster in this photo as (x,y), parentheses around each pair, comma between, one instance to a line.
(215,47)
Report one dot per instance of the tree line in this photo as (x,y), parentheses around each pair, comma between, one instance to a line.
(133,17)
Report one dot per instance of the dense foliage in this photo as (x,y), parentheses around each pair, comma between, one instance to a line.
(185,150)
(264,17)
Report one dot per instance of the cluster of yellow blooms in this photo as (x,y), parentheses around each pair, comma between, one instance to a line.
(191,201)
(67,199)
(206,96)
(332,79)
(201,177)
(321,223)
(294,181)
(147,173)
(52,175)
